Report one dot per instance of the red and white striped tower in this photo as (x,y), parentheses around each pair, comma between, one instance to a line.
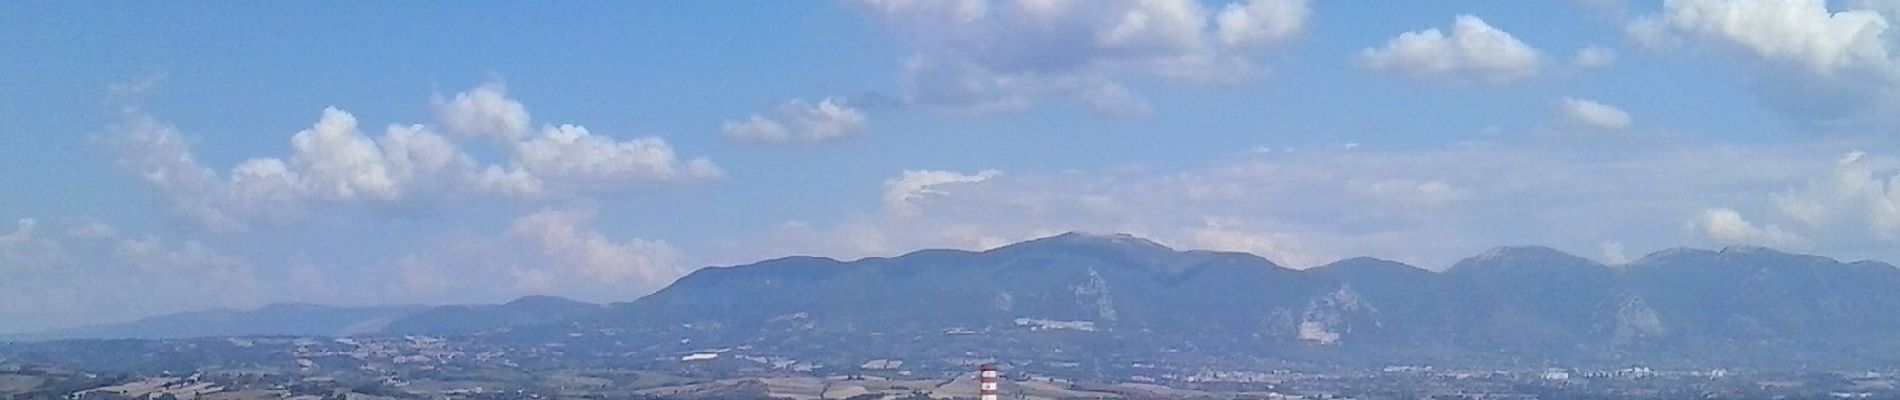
(986,379)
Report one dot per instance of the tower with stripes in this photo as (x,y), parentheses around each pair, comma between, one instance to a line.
(986,381)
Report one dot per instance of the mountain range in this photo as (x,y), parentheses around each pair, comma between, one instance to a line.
(1076,295)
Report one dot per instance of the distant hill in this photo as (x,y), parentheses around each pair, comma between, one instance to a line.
(1538,299)
(318,320)
(469,319)
(274,319)
(1115,282)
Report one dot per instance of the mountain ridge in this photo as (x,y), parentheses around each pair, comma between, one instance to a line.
(1522,301)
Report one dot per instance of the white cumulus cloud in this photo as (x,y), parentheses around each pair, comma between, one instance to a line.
(1815,63)
(1262,22)
(1591,115)
(983,55)
(1803,32)
(1856,199)
(901,194)
(1613,252)
(334,162)
(1852,206)
(485,111)
(584,257)
(1729,227)
(341,164)
(551,251)
(799,121)
(574,158)
(162,159)
(1473,52)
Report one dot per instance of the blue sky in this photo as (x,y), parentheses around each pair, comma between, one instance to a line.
(239,154)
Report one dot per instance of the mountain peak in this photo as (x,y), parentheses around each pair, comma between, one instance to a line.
(1672,254)
(1369,266)
(1114,239)
(1079,239)
(1518,252)
(1508,256)
(1738,256)
(289,307)
(1767,254)
(1368,263)
(1678,252)
(1749,249)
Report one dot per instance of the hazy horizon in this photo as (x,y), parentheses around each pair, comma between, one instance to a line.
(176,157)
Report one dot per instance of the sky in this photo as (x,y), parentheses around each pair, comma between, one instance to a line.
(158,158)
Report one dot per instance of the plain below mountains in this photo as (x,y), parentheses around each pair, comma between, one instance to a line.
(1111,293)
